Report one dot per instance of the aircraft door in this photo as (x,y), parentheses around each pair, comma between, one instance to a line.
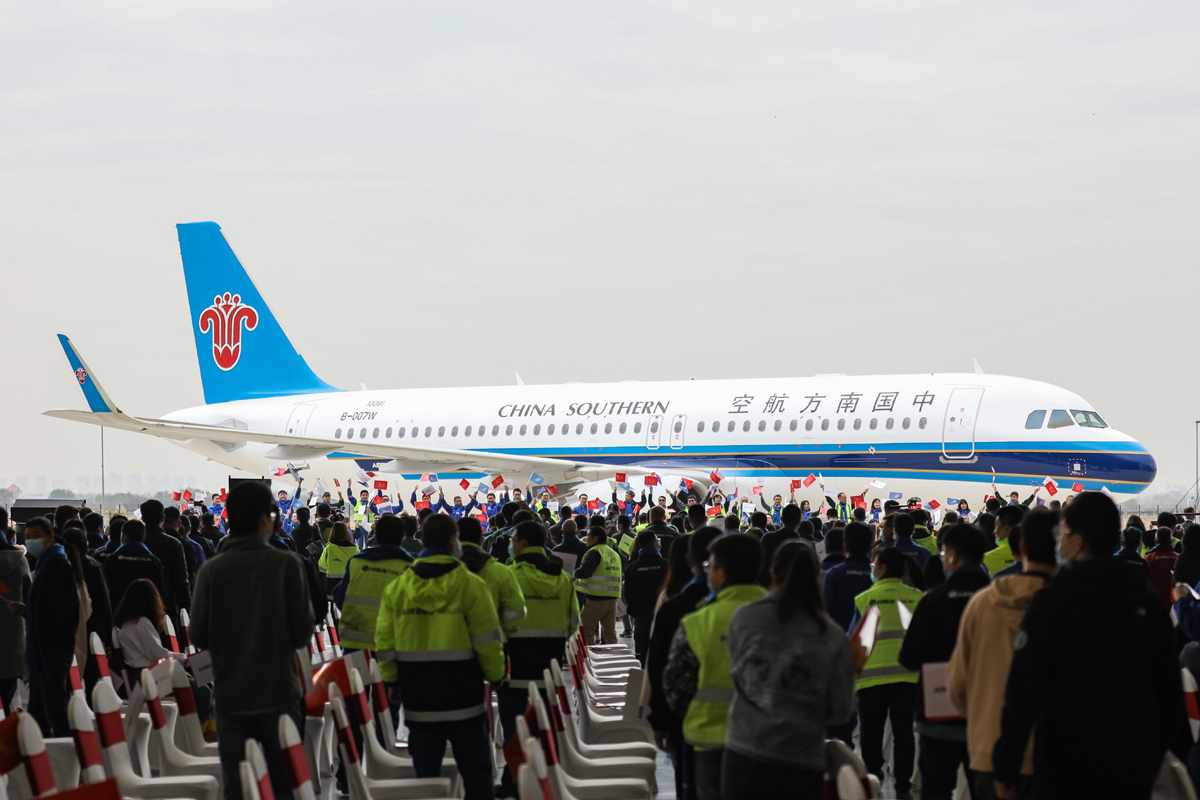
(678,426)
(297,424)
(654,432)
(958,426)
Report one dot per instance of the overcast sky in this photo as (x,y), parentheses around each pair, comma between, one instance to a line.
(440,193)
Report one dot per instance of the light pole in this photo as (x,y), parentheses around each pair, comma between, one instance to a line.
(1196,485)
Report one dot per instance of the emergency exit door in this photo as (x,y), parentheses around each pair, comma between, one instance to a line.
(654,432)
(958,427)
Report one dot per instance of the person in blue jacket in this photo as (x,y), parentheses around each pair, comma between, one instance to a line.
(457,510)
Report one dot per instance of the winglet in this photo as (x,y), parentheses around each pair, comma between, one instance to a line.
(97,399)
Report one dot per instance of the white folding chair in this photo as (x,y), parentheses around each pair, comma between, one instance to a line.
(299,774)
(90,761)
(260,778)
(33,778)
(566,721)
(174,761)
(189,735)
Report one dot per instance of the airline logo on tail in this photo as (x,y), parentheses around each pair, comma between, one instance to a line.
(225,318)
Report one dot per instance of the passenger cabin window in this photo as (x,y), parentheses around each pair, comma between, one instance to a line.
(1035,419)
(337,434)
(762,425)
(1059,418)
(624,427)
(400,433)
(508,430)
(637,427)
(1088,419)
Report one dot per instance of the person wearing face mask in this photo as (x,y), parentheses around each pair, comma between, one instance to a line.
(53,617)
(930,640)
(886,689)
(439,637)
(1096,626)
(251,613)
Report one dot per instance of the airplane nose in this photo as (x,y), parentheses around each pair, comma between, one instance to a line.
(1151,466)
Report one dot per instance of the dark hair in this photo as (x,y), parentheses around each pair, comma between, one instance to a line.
(408,525)
(389,531)
(795,567)
(40,523)
(696,516)
(64,513)
(1037,536)
(857,537)
(74,541)
(645,539)
(141,599)
(1164,537)
(1136,522)
(966,541)
(790,515)
(987,524)
(170,514)
(624,523)
(903,525)
(302,515)
(1096,518)
(658,514)
(859,513)
(116,524)
(731,523)
(1191,539)
(1131,538)
(532,533)
(758,519)
(507,510)
(246,505)
(93,523)
(469,530)
(697,545)
(893,562)
(133,530)
(1009,517)
(835,540)
(324,510)
(438,531)
(207,520)
(339,534)
(739,555)
(677,573)
(523,515)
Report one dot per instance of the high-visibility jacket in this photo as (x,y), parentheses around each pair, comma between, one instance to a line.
(606,580)
(361,513)
(369,573)
(334,559)
(551,615)
(998,558)
(883,665)
(625,544)
(922,536)
(438,636)
(706,628)
(506,593)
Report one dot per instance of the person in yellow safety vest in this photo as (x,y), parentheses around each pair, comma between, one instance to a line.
(1001,557)
(362,516)
(439,639)
(885,689)
(697,676)
(625,537)
(501,583)
(598,581)
(922,533)
(335,555)
(552,615)
(367,575)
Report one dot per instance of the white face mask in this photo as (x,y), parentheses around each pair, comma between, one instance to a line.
(35,547)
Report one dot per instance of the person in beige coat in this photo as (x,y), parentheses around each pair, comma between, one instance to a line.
(978,669)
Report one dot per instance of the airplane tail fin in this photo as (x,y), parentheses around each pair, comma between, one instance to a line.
(242,349)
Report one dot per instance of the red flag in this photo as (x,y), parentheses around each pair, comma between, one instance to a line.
(934,505)
(714,476)
(380,485)
(465,484)
(552,489)
(421,505)
(796,483)
(593,504)
(1051,486)
(620,476)
(809,480)
(858,501)
(280,472)
(756,489)
(714,511)
(1077,487)
(651,479)
(379,499)
(687,484)
(187,495)
(176,496)
(223,495)
(496,481)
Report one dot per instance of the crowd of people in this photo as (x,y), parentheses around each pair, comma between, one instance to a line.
(1032,647)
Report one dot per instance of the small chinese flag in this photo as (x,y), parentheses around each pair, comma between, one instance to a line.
(1051,486)
(496,481)
(756,489)
(465,484)
(187,495)
(796,483)
(714,511)
(593,504)
(620,476)
(651,479)
(552,489)
(686,484)
(934,505)
(421,505)
(809,480)
(223,495)
(858,501)
(1077,487)
(714,476)
(380,485)
(379,499)
(176,496)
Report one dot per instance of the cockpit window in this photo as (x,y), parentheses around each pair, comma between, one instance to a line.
(1035,420)
(1059,418)
(1088,419)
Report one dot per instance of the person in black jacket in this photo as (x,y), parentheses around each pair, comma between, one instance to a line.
(662,531)
(790,517)
(53,617)
(131,561)
(643,579)
(668,726)
(101,620)
(930,640)
(177,593)
(1097,625)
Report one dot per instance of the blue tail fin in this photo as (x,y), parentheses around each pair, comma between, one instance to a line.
(242,349)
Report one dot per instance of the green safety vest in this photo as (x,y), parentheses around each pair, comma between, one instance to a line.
(334,558)
(368,578)
(506,593)
(883,665)
(625,545)
(551,607)
(922,536)
(606,580)
(706,629)
(998,558)
(361,514)
(444,619)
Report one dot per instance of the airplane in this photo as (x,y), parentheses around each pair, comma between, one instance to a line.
(941,437)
